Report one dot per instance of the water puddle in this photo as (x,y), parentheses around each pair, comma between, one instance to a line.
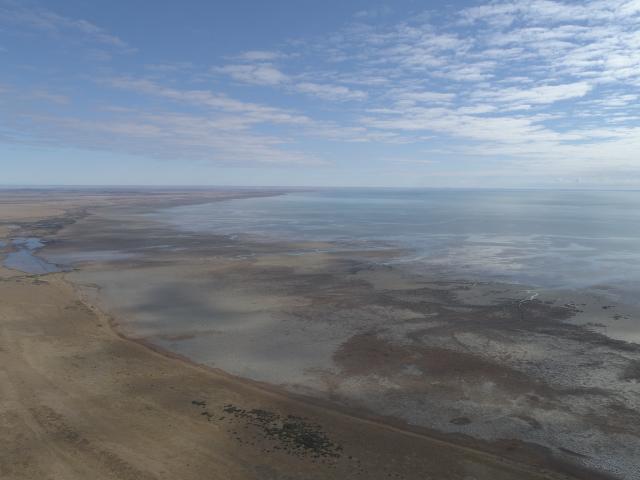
(25,260)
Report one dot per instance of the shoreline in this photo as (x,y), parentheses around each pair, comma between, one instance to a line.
(544,463)
(460,444)
(62,419)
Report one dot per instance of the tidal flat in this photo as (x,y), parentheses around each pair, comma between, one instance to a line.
(487,365)
(483,360)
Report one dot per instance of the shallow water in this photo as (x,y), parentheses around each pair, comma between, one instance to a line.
(30,243)
(553,239)
(25,260)
(76,257)
(416,348)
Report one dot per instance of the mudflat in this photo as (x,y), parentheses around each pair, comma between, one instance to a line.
(90,388)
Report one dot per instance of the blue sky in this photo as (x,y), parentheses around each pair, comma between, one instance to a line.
(519,93)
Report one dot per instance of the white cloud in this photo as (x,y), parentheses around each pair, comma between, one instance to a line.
(252,112)
(527,83)
(268,75)
(50,97)
(42,19)
(410,98)
(617,100)
(229,114)
(406,99)
(551,12)
(543,94)
(260,56)
(258,74)
(169,67)
(373,12)
(330,92)
(169,136)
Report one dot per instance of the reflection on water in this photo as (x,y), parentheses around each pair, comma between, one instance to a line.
(558,239)
(25,260)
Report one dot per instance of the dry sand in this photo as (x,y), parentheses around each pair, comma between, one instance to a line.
(78,400)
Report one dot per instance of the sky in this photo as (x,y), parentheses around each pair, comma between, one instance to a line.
(518,93)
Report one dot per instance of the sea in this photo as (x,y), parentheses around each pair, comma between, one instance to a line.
(570,239)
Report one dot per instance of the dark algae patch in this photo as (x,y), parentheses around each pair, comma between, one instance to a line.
(460,421)
(293,435)
(632,372)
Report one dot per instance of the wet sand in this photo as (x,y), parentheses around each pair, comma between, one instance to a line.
(387,375)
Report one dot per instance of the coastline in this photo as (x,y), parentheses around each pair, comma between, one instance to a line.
(145,420)
(458,445)
(533,459)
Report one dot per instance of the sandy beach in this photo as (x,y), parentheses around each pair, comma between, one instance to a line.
(96,383)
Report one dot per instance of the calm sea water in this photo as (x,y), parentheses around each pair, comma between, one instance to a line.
(566,239)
